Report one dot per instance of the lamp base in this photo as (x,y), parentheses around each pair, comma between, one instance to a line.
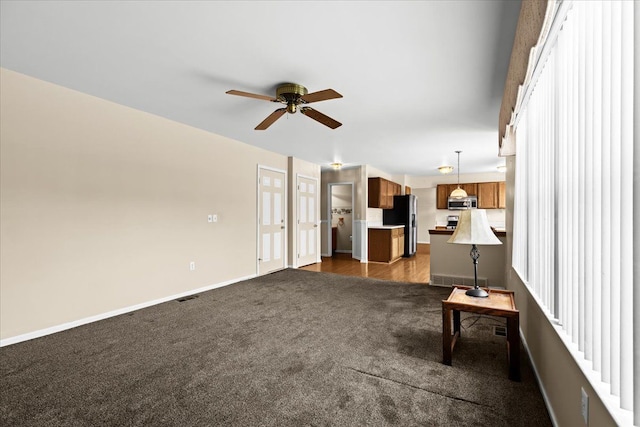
(477,292)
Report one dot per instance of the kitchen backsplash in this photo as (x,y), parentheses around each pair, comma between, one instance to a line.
(496,217)
(374,216)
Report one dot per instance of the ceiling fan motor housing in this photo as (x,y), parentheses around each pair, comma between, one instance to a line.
(290,93)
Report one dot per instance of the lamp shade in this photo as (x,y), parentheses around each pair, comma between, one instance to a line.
(473,229)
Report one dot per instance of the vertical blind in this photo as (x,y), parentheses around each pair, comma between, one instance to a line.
(573,217)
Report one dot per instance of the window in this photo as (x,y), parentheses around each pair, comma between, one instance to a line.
(573,207)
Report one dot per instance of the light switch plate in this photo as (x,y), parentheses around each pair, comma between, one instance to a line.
(210,218)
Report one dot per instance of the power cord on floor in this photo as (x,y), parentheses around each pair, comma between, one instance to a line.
(474,319)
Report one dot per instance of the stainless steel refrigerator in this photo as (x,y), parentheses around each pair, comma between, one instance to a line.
(404,212)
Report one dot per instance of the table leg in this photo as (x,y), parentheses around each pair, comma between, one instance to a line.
(513,343)
(446,336)
(456,323)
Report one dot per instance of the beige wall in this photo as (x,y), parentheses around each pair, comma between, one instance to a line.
(104,207)
(448,259)
(560,376)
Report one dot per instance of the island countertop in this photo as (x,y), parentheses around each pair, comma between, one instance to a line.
(385,227)
(450,232)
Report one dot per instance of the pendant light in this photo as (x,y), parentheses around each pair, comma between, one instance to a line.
(458,193)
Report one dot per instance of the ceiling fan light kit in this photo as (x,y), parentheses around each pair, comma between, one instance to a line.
(293,96)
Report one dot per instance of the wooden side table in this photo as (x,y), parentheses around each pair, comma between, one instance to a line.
(499,303)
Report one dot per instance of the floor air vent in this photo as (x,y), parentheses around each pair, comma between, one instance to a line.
(446,280)
(500,331)
(190,297)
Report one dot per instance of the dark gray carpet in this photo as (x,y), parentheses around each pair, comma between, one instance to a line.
(293,348)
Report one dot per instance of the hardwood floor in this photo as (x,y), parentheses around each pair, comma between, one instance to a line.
(414,269)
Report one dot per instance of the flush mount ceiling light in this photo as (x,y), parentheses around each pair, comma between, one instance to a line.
(458,193)
(445,169)
(336,166)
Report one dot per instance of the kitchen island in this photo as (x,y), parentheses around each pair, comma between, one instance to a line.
(386,243)
(452,265)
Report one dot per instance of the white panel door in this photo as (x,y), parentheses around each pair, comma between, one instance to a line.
(271,221)
(308,231)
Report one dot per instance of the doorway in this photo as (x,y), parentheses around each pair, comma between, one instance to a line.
(341,216)
(271,220)
(307,223)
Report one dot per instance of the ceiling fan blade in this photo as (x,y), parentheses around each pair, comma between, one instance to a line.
(319,117)
(322,95)
(251,95)
(271,119)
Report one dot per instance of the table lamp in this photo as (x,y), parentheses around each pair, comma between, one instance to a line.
(473,229)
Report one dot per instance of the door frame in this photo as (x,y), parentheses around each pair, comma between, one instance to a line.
(329,209)
(257,218)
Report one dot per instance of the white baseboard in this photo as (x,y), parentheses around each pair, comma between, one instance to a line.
(552,415)
(102,316)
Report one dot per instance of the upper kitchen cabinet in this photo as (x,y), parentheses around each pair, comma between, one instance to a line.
(444,190)
(442,196)
(488,195)
(502,195)
(491,195)
(397,188)
(471,189)
(381,192)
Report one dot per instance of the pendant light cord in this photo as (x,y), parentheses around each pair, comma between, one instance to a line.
(458,167)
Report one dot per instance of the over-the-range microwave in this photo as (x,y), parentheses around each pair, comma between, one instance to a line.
(470,202)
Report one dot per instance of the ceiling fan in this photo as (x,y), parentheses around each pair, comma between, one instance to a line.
(294,96)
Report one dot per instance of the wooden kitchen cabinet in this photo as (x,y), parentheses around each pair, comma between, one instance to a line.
(488,195)
(471,189)
(502,195)
(444,190)
(442,196)
(381,192)
(386,244)
(491,195)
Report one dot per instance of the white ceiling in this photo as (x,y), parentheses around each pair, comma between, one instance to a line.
(420,79)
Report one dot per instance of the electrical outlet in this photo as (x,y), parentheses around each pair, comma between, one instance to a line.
(585,406)
(192,266)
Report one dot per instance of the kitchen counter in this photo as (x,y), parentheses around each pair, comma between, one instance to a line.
(385,227)
(450,232)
